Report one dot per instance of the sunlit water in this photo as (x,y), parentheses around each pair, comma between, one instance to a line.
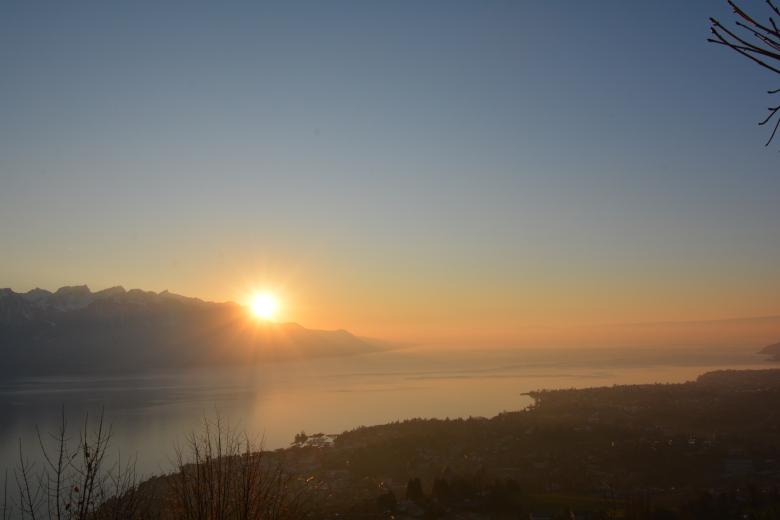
(150,413)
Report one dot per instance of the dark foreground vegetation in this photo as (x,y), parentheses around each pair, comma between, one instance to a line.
(704,449)
(217,473)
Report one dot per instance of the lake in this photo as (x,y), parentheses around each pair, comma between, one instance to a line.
(150,413)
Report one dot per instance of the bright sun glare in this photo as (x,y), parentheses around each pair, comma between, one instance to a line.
(264,305)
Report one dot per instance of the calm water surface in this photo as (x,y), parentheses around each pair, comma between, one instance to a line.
(150,413)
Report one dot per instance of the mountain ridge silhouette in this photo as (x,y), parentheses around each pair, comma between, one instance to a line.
(75,330)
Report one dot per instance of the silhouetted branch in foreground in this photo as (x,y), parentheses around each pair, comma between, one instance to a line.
(756,41)
(222,474)
(74,482)
(218,474)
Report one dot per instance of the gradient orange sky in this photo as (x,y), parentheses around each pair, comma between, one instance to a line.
(417,172)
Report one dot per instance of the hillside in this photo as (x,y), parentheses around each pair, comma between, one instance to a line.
(702,449)
(686,449)
(773,351)
(75,330)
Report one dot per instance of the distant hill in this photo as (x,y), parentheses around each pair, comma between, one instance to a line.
(75,330)
(772,350)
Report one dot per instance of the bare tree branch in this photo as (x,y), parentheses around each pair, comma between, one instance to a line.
(764,50)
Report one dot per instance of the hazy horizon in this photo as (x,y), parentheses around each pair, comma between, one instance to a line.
(748,332)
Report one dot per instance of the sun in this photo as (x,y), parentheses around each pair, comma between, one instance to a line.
(264,305)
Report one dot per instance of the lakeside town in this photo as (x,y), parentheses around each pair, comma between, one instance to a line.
(641,451)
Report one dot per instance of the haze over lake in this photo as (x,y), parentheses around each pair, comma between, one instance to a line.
(151,412)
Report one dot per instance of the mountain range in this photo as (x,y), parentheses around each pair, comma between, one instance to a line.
(74,330)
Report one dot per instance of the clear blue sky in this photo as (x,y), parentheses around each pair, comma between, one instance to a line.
(392,164)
